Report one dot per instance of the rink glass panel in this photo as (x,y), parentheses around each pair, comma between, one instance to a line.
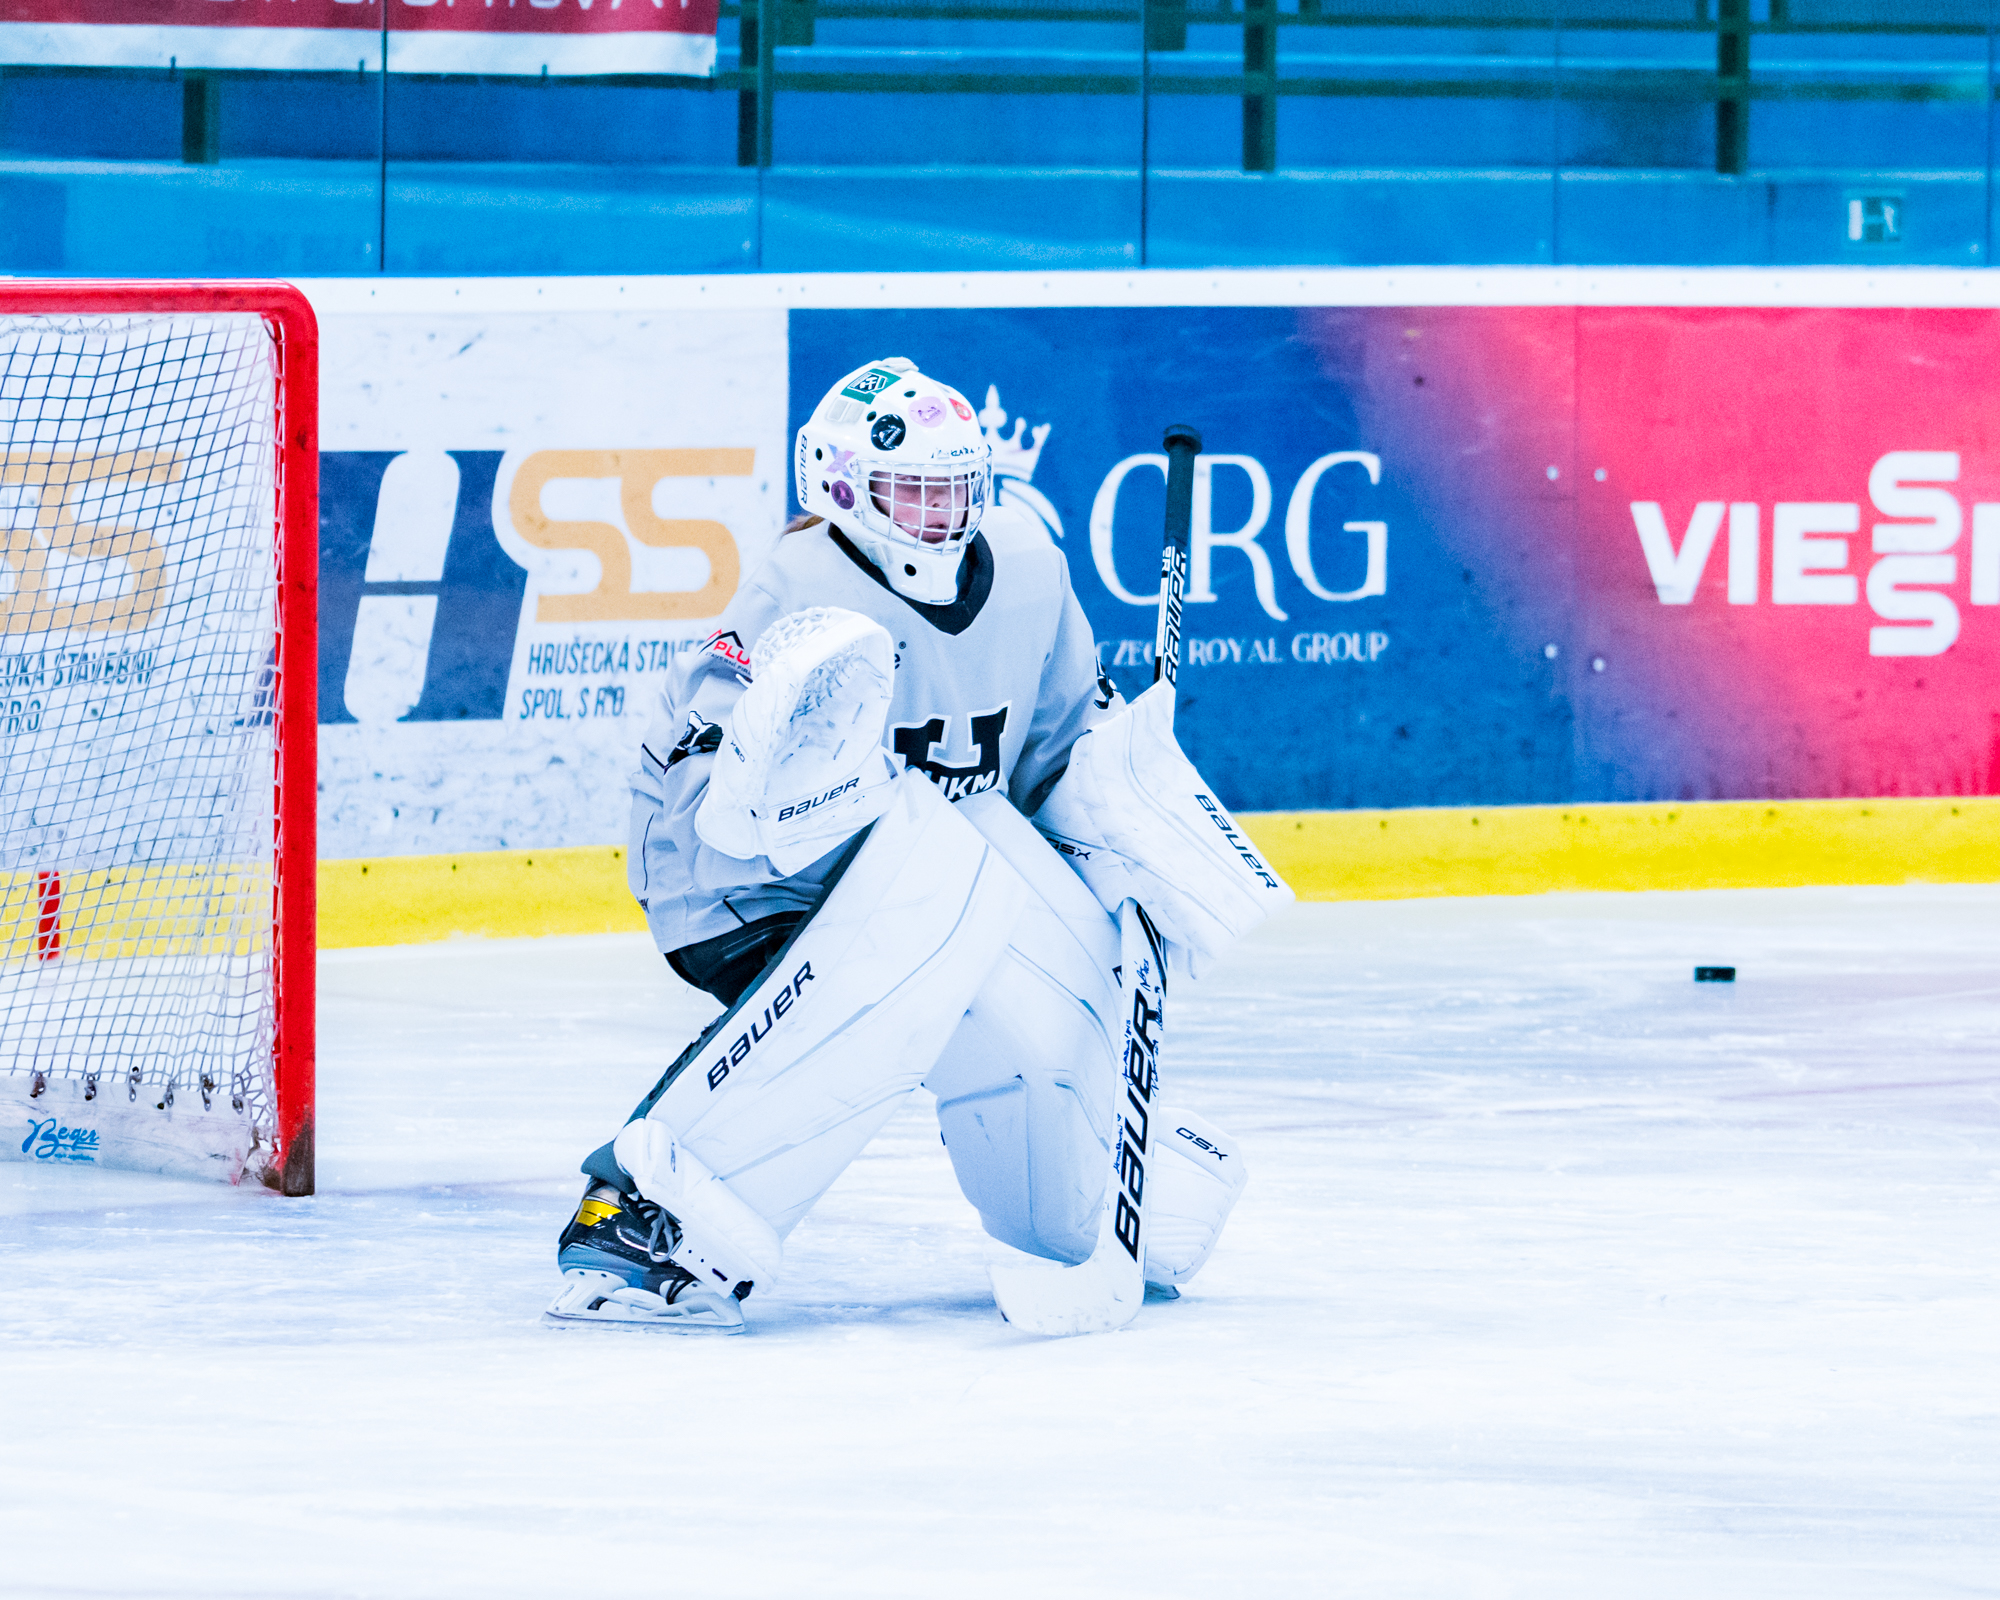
(137,738)
(129,172)
(900,134)
(592,175)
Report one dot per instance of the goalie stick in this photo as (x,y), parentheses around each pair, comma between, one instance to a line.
(1105,1290)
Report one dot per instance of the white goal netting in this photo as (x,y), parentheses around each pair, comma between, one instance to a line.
(138,601)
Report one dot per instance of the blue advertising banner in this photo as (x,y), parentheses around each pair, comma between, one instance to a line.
(1340,650)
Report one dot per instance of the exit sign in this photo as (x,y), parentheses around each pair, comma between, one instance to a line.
(1874,219)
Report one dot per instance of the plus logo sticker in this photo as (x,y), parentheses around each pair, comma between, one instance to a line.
(914,742)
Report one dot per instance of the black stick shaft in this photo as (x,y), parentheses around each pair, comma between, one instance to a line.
(1183,444)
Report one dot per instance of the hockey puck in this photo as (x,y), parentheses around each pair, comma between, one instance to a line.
(1714,974)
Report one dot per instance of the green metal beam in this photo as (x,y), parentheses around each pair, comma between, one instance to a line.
(1683,86)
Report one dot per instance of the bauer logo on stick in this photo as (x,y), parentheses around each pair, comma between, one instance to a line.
(1142,1077)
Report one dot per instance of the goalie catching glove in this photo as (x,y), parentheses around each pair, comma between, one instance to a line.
(1137,822)
(801,766)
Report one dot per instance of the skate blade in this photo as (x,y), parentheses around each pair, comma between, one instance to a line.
(600,1298)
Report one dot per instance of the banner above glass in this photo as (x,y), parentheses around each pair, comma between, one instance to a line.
(541,37)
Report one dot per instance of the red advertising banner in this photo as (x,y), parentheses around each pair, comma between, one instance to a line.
(510,37)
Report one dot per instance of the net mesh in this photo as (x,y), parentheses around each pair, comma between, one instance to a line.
(138,602)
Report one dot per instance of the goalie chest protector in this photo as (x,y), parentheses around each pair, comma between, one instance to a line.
(990,691)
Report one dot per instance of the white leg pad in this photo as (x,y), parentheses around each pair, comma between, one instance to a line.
(1027,1087)
(789,1086)
(1191,1187)
(1025,1113)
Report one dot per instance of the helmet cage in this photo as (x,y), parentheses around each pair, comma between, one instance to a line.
(909,485)
(931,507)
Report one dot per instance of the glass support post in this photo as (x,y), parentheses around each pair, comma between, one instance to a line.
(1260,98)
(1732,86)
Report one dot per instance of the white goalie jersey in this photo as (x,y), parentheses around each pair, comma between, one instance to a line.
(990,693)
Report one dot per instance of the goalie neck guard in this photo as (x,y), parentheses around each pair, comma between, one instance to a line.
(896,460)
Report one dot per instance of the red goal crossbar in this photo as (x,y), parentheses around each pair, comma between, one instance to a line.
(294,334)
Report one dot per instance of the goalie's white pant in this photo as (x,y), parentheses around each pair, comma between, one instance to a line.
(1026,1086)
(956,947)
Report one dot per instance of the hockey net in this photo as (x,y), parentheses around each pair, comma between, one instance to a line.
(158,472)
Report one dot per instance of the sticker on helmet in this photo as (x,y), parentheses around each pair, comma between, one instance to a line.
(887,433)
(929,411)
(869,384)
(843,495)
(964,411)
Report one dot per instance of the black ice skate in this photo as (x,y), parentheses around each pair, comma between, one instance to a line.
(613,1257)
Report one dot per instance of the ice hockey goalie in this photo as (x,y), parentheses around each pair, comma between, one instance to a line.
(841,828)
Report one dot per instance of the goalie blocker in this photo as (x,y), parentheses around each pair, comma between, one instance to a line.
(1138,822)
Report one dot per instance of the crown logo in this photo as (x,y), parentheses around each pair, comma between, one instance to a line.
(1011,457)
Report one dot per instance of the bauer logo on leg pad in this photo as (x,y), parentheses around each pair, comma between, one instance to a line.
(759,1031)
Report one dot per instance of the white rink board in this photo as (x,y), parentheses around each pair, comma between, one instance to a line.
(1556,1276)
(438,368)
(524,381)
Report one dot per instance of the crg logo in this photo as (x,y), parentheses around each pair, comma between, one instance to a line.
(1205,538)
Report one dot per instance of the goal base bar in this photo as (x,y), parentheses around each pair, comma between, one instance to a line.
(48,1121)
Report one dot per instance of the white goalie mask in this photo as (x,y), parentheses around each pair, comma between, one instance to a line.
(897,462)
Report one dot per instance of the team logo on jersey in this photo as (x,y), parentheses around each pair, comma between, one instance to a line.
(702,738)
(914,741)
(730,647)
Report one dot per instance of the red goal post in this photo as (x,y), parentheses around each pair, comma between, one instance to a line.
(159,475)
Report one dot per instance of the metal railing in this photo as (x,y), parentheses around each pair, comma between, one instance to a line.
(766,27)
(769,25)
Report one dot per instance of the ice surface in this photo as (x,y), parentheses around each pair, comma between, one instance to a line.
(1557,1275)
